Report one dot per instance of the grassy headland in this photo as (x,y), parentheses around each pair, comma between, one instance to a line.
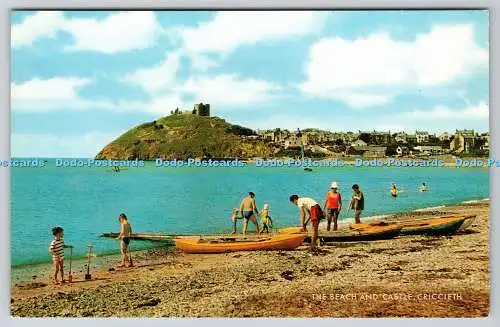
(184,136)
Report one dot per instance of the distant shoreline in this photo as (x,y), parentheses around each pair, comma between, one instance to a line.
(271,162)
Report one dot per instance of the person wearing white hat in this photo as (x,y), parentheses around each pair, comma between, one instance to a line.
(332,206)
(266,220)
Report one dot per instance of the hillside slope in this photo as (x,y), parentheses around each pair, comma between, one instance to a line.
(182,137)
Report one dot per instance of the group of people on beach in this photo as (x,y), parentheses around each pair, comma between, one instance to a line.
(57,246)
(309,210)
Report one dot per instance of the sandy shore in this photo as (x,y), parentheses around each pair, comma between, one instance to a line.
(411,276)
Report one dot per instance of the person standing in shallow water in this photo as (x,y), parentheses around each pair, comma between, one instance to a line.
(248,210)
(125,234)
(394,190)
(332,206)
(357,203)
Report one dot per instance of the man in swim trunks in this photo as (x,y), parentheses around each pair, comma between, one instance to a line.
(248,209)
(332,206)
(308,206)
(125,234)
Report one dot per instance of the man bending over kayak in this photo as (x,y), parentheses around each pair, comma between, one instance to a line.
(248,209)
(308,206)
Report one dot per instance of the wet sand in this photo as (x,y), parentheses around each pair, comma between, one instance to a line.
(409,276)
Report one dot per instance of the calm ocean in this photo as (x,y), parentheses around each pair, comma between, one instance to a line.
(87,201)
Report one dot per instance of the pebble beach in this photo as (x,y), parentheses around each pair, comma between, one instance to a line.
(409,276)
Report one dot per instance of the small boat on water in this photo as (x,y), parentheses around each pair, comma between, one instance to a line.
(373,233)
(231,244)
(431,226)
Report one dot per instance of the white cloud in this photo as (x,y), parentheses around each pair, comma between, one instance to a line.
(118,32)
(357,99)
(231,29)
(229,90)
(370,69)
(437,119)
(201,62)
(49,94)
(51,145)
(38,95)
(156,78)
(43,24)
(57,88)
(162,105)
(477,111)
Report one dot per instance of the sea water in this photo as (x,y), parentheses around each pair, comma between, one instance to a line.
(86,201)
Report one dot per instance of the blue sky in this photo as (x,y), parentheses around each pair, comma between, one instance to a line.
(80,79)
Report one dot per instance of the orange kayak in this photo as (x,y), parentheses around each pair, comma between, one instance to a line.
(372,233)
(220,245)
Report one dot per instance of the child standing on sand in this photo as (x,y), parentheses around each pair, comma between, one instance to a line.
(234,219)
(56,249)
(125,233)
(266,220)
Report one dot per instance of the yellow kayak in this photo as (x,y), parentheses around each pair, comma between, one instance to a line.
(221,245)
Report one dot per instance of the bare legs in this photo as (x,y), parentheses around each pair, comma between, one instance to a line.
(332,216)
(315,224)
(58,269)
(357,216)
(245,224)
(234,226)
(124,255)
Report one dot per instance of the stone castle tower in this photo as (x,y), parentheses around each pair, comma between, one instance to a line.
(201,109)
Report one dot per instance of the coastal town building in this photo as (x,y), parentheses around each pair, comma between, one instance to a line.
(411,138)
(368,151)
(400,137)
(463,141)
(485,138)
(429,149)
(445,136)
(359,143)
(402,150)
(421,136)
(379,137)
(293,140)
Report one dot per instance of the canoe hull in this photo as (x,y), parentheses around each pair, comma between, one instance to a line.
(442,229)
(200,245)
(432,226)
(370,234)
(362,237)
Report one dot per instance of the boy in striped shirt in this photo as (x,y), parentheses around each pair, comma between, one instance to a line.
(56,249)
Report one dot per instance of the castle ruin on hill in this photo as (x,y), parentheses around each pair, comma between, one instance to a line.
(199,109)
